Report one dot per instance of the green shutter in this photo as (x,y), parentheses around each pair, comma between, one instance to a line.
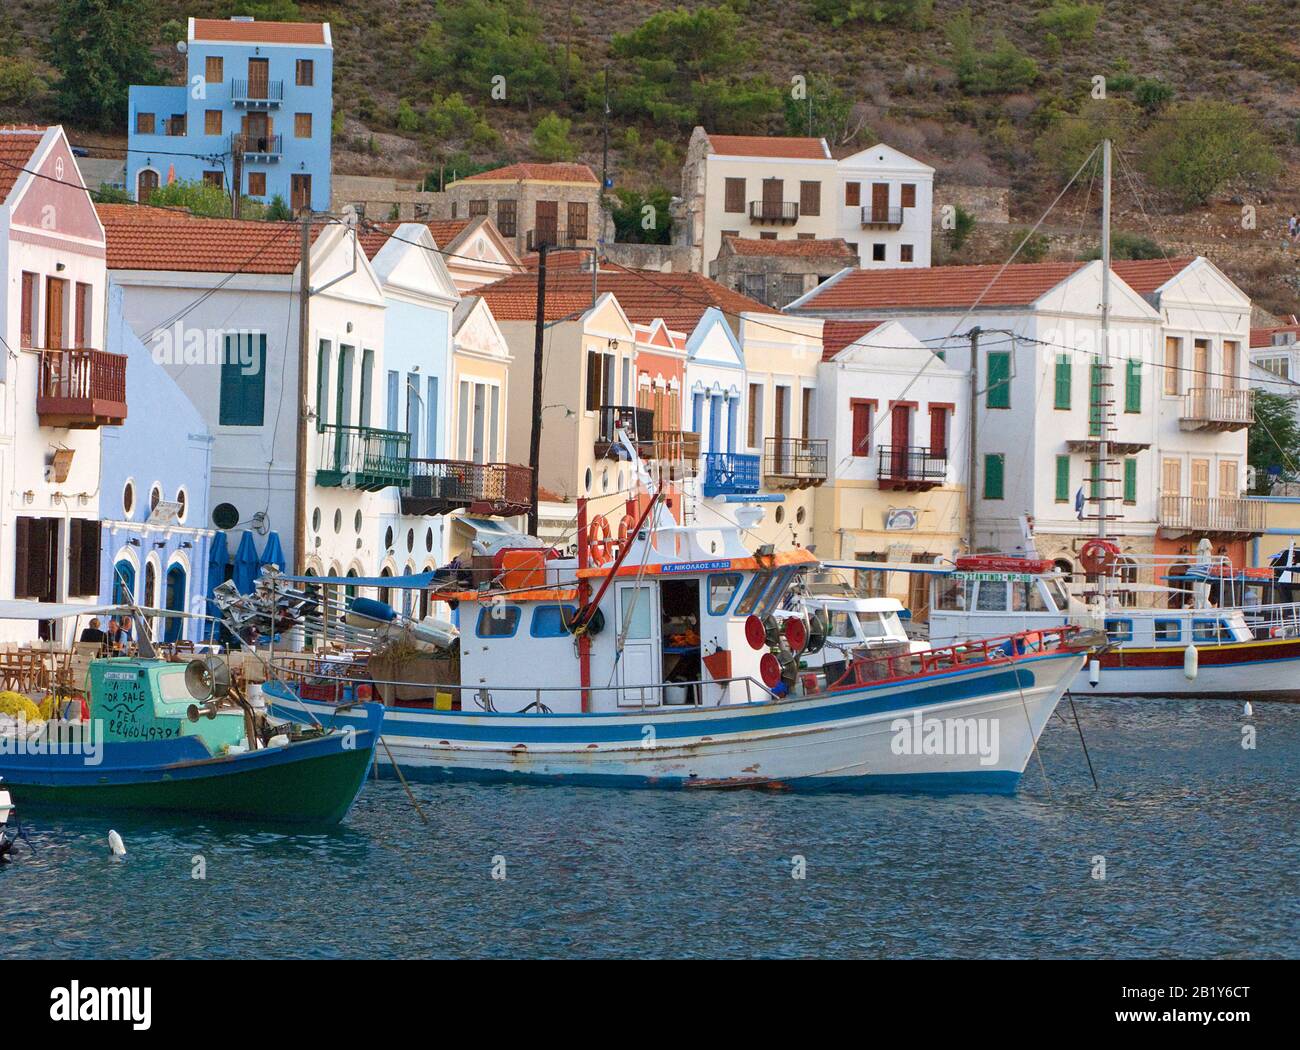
(1133,386)
(243,381)
(1130,480)
(1063,377)
(993,467)
(1096,399)
(1062,479)
(999,380)
(1095,475)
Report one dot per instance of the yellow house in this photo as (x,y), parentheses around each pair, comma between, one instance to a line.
(1281,527)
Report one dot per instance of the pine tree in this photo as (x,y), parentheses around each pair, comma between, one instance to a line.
(101,48)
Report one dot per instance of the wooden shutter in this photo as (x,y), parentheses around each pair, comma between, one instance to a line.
(909,195)
(1173,351)
(1096,395)
(735,195)
(1228,479)
(1064,376)
(1171,477)
(1062,479)
(810,198)
(861,428)
(852,194)
(213,72)
(82,328)
(83,557)
(993,470)
(998,394)
(54,312)
(754,424)
(1200,479)
(302,125)
(593,381)
(577,220)
(938,431)
(28,309)
(1133,386)
(23,557)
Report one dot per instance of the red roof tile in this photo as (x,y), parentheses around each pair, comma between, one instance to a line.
(259,32)
(142,239)
(374,235)
(1264,336)
(1144,276)
(941,286)
(836,335)
(770,146)
(536,172)
(809,248)
(679,298)
(17,144)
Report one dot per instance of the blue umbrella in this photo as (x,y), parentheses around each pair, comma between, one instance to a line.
(218,557)
(245,564)
(272,553)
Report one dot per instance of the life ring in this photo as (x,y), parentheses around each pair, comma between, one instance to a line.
(625,526)
(599,540)
(1098,557)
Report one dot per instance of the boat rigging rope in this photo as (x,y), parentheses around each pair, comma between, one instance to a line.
(1033,740)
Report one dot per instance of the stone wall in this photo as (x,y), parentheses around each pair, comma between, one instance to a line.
(989,204)
(666,258)
(459,195)
(377,197)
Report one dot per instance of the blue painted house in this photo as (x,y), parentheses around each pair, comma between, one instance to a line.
(256,109)
(154,482)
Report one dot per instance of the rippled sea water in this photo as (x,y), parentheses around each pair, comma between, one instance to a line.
(1199,838)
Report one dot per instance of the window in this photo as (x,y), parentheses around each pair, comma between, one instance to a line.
(767,236)
(908,194)
(1229,487)
(394,401)
(144,123)
(28,315)
(213,70)
(991,596)
(805,412)
(1168,631)
(757,585)
(595,383)
(257,184)
(862,410)
(478,207)
(1133,385)
(243,380)
(1230,355)
(577,220)
(905,253)
(734,191)
(994,464)
(1205,630)
(497,621)
(1279,366)
(549,621)
(1130,480)
(304,72)
(214,178)
(1062,479)
(998,392)
(212,122)
(939,430)
(722,590)
(877,253)
(1064,375)
(852,194)
(1096,399)
(1119,630)
(302,125)
(1173,355)
(810,198)
(1026,597)
(82,315)
(507,217)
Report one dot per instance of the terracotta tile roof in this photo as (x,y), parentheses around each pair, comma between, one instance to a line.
(1264,336)
(537,173)
(770,146)
(547,495)
(259,32)
(941,286)
(836,335)
(375,234)
(564,259)
(17,143)
(1144,276)
(446,230)
(679,298)
(828,248)
(141,239)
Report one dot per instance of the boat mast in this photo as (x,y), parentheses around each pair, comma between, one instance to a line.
(1099,390)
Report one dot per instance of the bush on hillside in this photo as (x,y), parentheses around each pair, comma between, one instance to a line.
(551,138)
(1068,141)
(986,67)
(1069,21)
(1199,147)
(914,14)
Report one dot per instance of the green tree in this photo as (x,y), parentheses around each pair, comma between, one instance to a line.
(1273,441)
(107,194)
(1200,146)
(1069,21)
(200,197)
(963,225)
(1072,136)
(914,14)
(1128,246)
(268,10)
(277,210)
(689,67)
(987,66)
(407,119)
(101,47)
(831,110)
(551,138)
(1152,95)
(631,217)
(23,82)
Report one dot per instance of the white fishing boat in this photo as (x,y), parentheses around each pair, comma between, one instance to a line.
(8,834)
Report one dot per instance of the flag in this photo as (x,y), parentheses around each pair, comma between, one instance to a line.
(1078,504)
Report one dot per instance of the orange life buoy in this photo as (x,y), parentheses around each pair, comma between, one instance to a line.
(599,541)
(1098,557)
(625,526)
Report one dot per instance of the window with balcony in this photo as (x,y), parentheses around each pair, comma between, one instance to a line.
(81,325)
(1172,366)
(28,315)
(507,217)
(144,124)
(302,125)
(862,410)
(754,419)
(305,72)
(734,195)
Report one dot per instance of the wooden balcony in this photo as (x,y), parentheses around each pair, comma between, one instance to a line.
(362,457)
(888,218)
(81,389)
(1212,408)
(637,423)
(1225,516)
(257,94)
(911,468)
(800,462)
(779,213)
(258,147)
(439,486)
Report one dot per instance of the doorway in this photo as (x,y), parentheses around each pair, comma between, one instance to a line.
(175,602)
(300,193)
(680,602)
(638,616)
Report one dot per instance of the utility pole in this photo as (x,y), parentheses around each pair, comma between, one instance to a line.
(237,172)
(300,465)
(604,159)
(1100,391)
(972,453)
(535,438)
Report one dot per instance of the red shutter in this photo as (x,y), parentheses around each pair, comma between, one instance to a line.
(938,431)
(28,309)
(861,428)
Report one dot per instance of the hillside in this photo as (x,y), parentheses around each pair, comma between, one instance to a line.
(897,82)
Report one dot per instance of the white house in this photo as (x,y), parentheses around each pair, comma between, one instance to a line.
(879,199)
(58,384)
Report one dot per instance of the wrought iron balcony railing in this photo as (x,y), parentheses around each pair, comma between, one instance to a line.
(439,486)
(798,460)
(81,389)
(269,146)
(910,467)
(783,212)
(873,216)
(730,474)
(354,457)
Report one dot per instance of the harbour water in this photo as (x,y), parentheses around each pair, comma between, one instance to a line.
(1198,836)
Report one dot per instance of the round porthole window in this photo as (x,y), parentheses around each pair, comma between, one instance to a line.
(780,515)
(800,515)
(410,539)
(182,504)
(338,521)
(315,520)
(225,515)
(388,538)
(128,498)
(155,497)
(587,481)
(356,523)
(428,539)
(604,480)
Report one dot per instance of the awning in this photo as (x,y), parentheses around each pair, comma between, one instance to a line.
(29,610)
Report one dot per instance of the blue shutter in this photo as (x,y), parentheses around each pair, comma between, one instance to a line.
(394,400)
(243,381)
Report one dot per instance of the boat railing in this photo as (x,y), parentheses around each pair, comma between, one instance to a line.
(326,684)
(871,668)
